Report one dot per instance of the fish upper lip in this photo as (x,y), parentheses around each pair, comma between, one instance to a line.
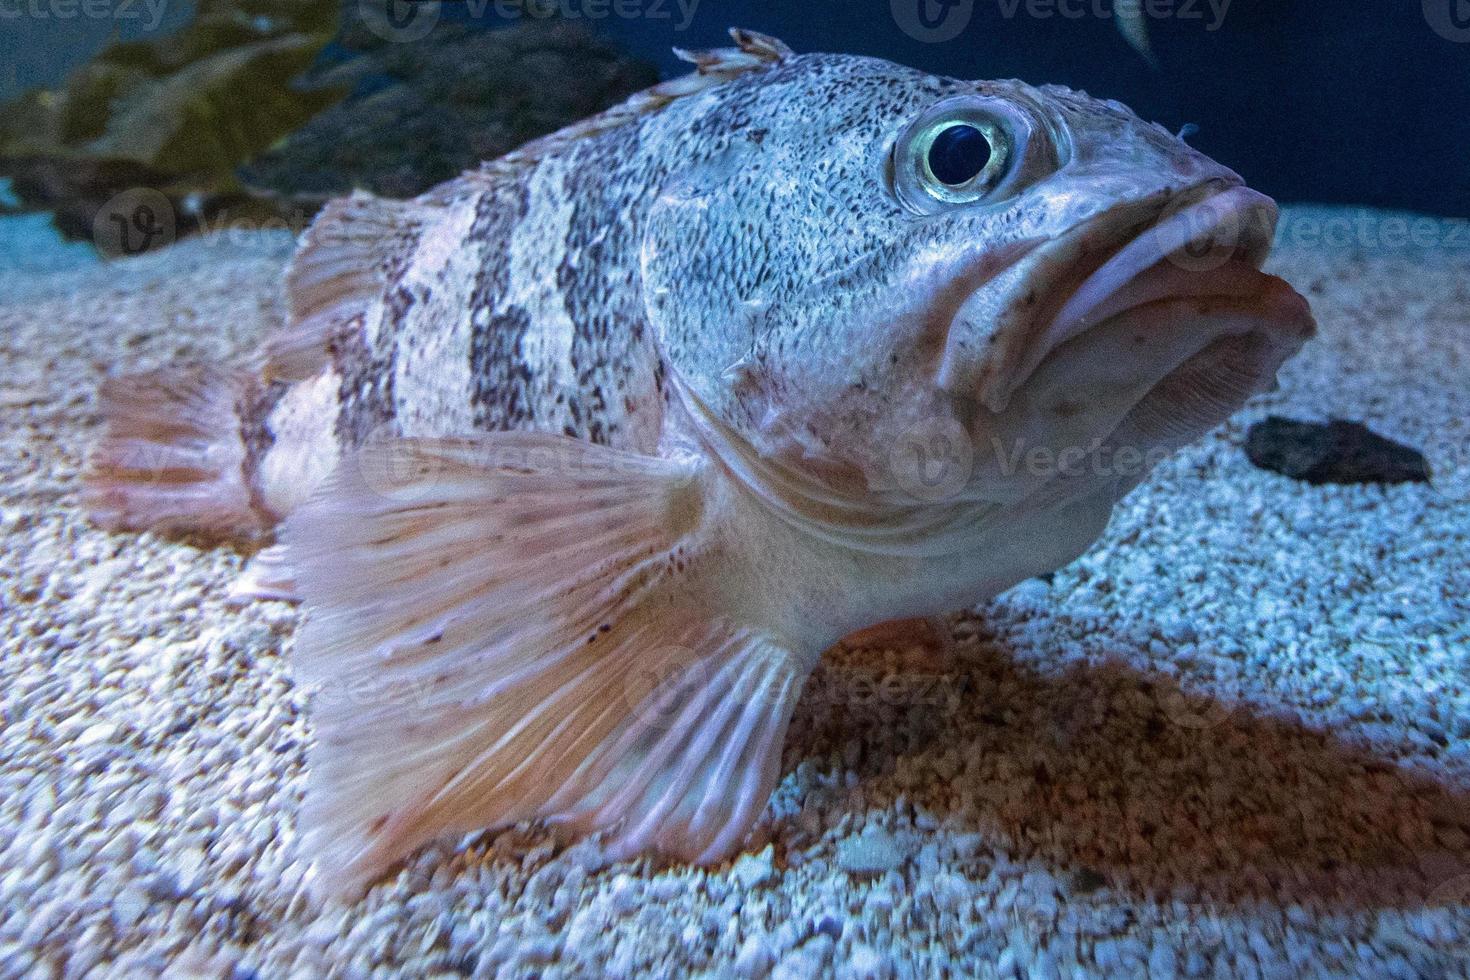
(1206,242)
(1225,224)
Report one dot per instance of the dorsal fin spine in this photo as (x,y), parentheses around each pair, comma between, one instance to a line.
(753,52)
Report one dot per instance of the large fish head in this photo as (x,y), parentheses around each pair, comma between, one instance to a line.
(882,290)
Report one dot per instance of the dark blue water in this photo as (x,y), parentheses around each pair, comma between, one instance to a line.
(1325,100)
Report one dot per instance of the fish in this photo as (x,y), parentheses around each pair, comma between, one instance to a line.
(579,461)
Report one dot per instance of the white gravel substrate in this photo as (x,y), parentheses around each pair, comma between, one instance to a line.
(1232,740)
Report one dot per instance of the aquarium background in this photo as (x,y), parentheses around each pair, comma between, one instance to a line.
(1365,103)
(1232,739)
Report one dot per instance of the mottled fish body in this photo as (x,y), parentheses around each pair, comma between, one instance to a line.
(583,458)
(505,299)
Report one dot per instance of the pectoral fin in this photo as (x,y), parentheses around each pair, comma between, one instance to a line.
(505,628)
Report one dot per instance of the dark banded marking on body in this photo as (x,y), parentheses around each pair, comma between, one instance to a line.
(499,376)
(367,370)
(611,359)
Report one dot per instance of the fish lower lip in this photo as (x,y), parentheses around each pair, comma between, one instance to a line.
(1263,322)
(1201,392)
(1188,401)
(1152,377)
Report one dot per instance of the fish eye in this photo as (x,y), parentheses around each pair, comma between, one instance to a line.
(958,154)
(952,160)
(969,150)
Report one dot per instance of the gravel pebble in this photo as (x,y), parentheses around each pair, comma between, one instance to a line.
(872,852)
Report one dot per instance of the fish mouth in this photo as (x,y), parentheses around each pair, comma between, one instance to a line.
(1156,340)
(1205,245)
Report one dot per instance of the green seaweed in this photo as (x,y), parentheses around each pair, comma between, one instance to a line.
(199,101)
(177,113)
(237,121)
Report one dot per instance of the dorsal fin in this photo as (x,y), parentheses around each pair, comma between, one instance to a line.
(753,52)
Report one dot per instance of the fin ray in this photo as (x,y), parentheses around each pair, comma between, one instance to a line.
(753,52)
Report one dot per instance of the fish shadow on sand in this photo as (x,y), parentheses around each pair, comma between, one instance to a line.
(1117,779)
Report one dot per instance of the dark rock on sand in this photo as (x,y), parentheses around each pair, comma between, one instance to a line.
(1339,451)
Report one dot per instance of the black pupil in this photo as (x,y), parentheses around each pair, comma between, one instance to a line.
(958,155)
